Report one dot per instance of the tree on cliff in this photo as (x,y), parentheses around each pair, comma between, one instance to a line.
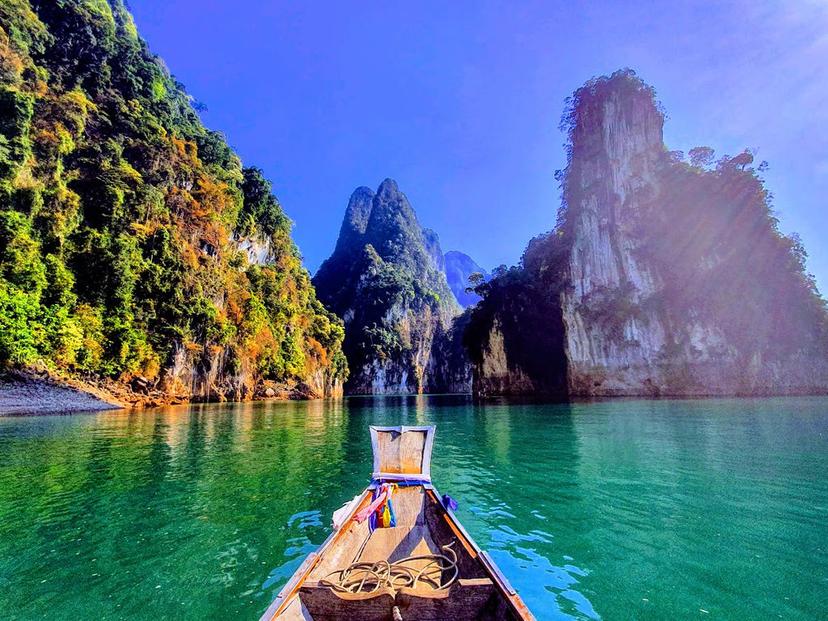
(660,275)
(119,215)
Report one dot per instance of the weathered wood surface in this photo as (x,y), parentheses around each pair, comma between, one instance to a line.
(402,452)
(325,605)
(468,599)
(423,526)
(296,611)
(410,537)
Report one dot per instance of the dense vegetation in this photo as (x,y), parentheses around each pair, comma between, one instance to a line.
(703,226)
(713,237)
(120,216)
(385,279)
(522,306)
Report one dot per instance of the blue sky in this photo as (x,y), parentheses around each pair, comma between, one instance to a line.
(460,101)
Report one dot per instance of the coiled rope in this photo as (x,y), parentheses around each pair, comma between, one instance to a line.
(366,577)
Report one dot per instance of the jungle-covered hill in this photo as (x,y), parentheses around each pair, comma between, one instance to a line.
(385,279)
(133,242)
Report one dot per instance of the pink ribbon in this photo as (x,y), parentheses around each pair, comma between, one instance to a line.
(367,511)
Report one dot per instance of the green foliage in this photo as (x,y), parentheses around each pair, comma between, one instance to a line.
(21,334)
(712,235)
(385,279)
(118,211)
(520,310)
(261,212)
(16,109)
(20,262)
(610,306)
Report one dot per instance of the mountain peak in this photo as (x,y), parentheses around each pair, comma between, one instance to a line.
(397,304)
(388,187)
(357,215)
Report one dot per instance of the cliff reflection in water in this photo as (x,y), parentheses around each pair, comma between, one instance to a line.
(654,508)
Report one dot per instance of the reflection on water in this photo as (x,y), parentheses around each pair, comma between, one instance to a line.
(613,510)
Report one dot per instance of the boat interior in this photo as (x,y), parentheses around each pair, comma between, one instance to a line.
(423,528)
(425,567)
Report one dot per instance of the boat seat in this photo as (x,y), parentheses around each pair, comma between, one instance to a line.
(323,604)
(467,599)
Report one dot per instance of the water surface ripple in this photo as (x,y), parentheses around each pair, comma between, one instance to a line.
(611,510)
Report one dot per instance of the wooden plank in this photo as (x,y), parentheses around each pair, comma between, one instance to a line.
(296,611)
(409,538)
(325,605)
(402,453)
(290,589)
(517,605)
(507,586)
(411,452)
(279,605)
(462,601)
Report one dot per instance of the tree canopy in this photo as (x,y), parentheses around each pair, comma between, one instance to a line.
(120,216)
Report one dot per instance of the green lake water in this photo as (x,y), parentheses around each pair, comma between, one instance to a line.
(612,510)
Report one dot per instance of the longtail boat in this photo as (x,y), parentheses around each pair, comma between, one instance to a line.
(397,552)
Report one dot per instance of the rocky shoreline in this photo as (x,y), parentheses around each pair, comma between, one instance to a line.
(39,391)
(36,392)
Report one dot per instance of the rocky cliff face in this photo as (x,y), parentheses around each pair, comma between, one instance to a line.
(459,267)
(515,339)
(385,279)
(664,276)
(616,149)
(135,248)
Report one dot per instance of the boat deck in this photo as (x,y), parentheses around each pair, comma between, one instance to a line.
(455,581)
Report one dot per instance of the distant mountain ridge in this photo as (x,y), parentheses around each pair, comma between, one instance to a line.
(458,268)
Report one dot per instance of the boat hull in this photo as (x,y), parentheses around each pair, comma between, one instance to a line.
(424,526)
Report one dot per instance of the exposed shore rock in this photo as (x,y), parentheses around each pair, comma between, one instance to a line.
(39,393)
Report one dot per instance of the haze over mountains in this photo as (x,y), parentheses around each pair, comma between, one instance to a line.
(459,267)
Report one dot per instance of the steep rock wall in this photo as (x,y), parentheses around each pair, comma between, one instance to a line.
(617,144)
(643,316)
(385,280)
(665,274)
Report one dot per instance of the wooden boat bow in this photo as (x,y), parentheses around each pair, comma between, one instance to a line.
(464,584)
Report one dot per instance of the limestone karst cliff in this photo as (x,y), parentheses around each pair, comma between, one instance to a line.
(385,279)
(134,246)
(664,274)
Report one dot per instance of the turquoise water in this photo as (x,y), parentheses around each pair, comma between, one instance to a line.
(614,510)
